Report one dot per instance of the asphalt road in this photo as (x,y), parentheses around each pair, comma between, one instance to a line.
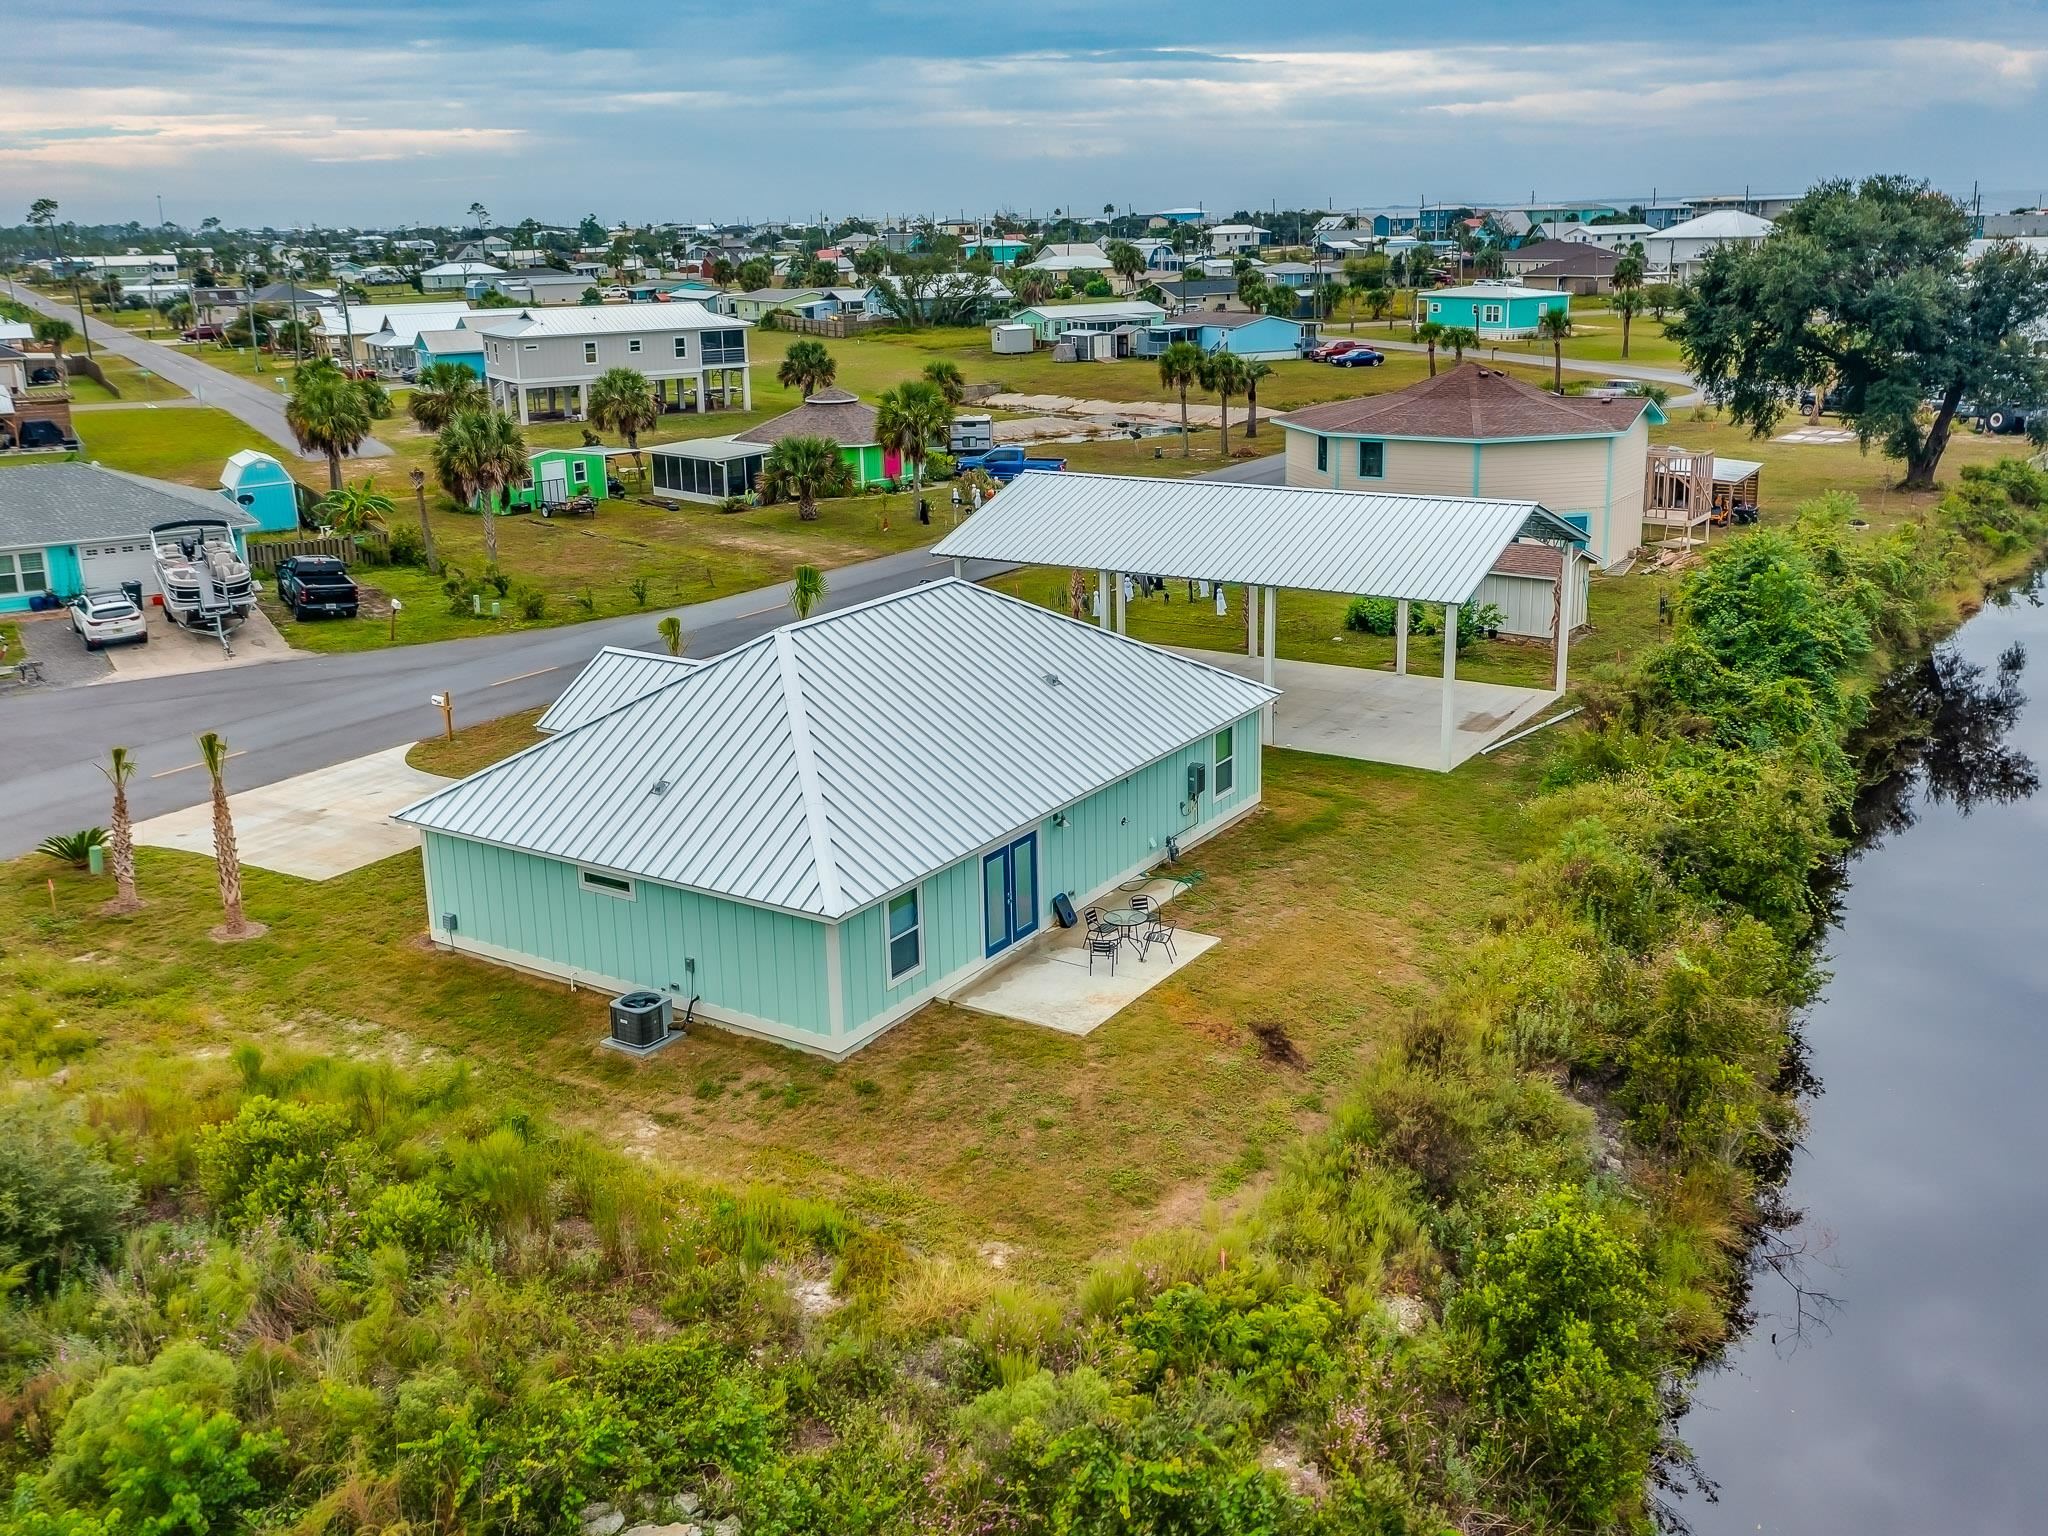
(256,403)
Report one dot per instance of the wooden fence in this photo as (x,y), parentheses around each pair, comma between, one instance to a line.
(265,556)
(838,327)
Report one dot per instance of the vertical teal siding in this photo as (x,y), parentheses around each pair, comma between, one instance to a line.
(767,965)
(1121,827)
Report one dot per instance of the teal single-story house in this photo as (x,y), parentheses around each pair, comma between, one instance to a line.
(71,528)
(813,835)
(263,488)
(1497,311)
(463,348)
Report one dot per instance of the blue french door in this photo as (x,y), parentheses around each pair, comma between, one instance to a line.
(1009,894)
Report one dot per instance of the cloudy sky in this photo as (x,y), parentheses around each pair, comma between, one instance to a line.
(305,112)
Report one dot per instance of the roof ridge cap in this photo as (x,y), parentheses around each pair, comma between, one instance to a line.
(823,853)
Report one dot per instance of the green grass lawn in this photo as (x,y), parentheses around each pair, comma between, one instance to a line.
(131,381)
(955,1129)
(188,444)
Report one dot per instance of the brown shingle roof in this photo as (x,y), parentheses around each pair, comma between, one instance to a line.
(831,412)
(1530,560)
(1558,250)
(1470,402)
(1578,261)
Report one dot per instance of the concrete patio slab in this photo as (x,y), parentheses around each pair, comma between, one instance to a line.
(1049,982)
(316,826)
(1383,717)
(172,651)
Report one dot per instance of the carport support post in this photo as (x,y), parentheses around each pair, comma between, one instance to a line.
(1450,720)
(1562,637)
(1123,603)
(959,569)
(1401,638)
(1251,620)
(1272,625)
(1102,615)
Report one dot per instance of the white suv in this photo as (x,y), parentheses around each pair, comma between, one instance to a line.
(103,618)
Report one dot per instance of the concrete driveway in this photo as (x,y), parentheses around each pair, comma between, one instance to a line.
(172,651)
(316,825)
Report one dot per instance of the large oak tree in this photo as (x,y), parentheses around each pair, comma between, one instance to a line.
(1866,290)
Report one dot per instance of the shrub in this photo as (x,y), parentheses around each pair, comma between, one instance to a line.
(531,602)
(60,1203)
(1372,615)
(637,590)
(404,546)
(270,1159)
(74,847)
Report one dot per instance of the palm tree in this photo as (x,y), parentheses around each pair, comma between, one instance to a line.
(1180,368)
(807,368)
(331,413)
(622,401)
(671,631)
(357,508)
(419,492)
(475,455)
(1628,289)
(723,271)
(806,590)
(1253,373)
(805,468)
(213,752)
(1251,289)
(1430,334)
(1125,261)
(119,769)
(1379,303)
(1458,338)
(909,420)
(1222,373)
(442,392)
(948,377)
(1553,326)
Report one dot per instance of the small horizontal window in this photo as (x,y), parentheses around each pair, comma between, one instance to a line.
(609,885)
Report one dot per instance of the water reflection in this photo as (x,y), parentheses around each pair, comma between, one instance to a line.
(1938,733)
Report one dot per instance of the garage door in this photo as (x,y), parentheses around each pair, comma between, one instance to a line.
(103,567)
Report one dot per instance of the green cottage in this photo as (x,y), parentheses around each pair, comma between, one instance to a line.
(843,417)
(818,832)
(554,475)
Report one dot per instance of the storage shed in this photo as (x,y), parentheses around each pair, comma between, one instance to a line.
(263,488)
(814,834)
(553,475)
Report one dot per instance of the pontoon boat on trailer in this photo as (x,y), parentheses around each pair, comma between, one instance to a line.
(205,584)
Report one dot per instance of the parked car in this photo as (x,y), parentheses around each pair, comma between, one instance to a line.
(201,333)
(2002,419)
(108,618)
(1830,402)
(1362,357)
(1006,464)
(45,434)
(316,584)
(45,373)
(1330,349)
(1616,389)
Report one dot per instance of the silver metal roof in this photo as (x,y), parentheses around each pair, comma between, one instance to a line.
(833,762)
(615,676)
(1432,549)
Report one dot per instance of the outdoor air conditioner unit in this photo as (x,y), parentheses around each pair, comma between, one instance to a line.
(640,1020)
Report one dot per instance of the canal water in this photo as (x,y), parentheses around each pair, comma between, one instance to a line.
(1895,1376)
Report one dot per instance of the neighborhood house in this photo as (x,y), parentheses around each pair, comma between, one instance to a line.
(540,363)
(71,528)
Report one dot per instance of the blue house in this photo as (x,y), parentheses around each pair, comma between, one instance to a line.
(71,528)
(1496,311)
(263,488)
(1256,338)
(461,347)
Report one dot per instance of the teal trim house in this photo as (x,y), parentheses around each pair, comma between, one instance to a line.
(71,528)
(263,488)
(1497,311)
(1478,431)
(461,347)
(815,834)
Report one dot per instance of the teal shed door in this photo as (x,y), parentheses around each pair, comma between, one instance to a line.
(1009,894)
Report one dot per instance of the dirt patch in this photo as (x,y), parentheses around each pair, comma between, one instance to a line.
(1276,1045)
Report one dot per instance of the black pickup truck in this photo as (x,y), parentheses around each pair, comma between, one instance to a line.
(315,584)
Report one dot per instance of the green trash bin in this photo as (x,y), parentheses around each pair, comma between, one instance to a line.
(96,859)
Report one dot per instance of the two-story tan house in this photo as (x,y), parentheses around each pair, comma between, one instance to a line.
(539,363)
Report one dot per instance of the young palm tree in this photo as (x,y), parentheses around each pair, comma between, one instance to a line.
(1628,289)
(622,401)
(1253,373)
(723,271)
(419,492)
(213,752)
(331,413)
(806,368)
(1222,373)
(671,631)
(805,468)
(476,455)
(119,769)
(358,508)
(947,376)
(53,333)
(1431,335)
(1553,327)
(806,590)
(909,420)
(442,392)
(1458,338)
(1180,368)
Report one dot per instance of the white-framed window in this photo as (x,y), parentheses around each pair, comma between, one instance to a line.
(576,472)
(590,351)
(905,936)
(22,572)
(632,343)
(682,346)
(606,885)
(1490,314)
(1226,761)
